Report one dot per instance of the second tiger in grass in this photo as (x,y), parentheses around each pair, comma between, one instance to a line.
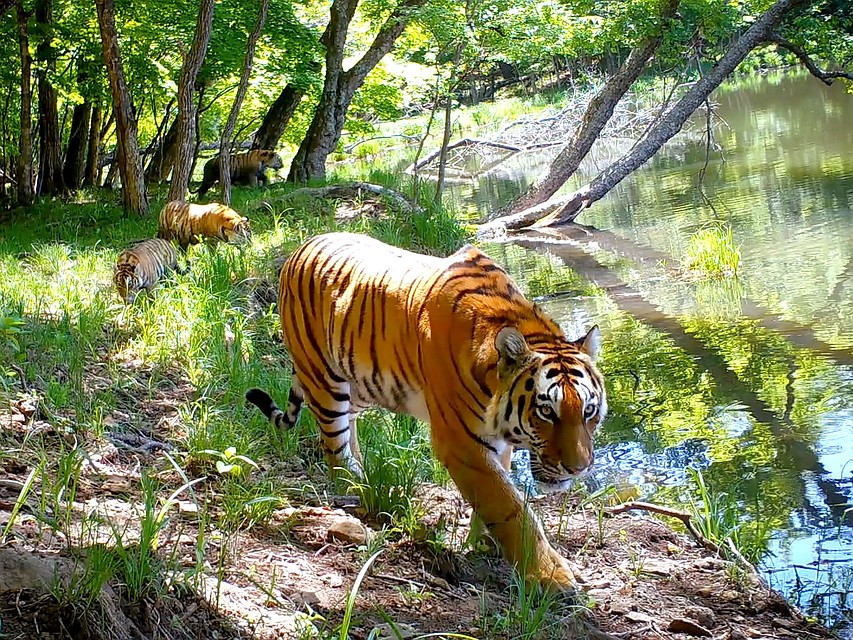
(186,223)
(140,267)
(452,342)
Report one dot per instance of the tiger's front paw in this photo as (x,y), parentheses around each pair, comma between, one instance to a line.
(554,572)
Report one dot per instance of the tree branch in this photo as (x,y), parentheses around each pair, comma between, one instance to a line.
(827,77)
(687,519)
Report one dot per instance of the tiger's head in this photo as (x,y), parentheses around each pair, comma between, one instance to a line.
(550,401)
(127,283)
(232,227)
(271,159)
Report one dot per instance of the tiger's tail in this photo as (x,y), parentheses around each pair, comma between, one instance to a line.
(282,419)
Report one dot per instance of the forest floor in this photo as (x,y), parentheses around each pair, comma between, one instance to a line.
(291,576)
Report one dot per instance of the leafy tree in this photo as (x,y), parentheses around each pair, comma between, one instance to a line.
(25,150)
(186,108)
(340,86)
(228,131)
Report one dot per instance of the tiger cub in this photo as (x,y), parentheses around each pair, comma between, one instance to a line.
(452,342)
(142,265)
(186,223)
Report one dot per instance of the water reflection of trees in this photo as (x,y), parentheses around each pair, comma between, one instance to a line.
(754,398)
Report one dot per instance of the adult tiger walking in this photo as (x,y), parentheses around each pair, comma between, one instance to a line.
(246,168)
(452,342)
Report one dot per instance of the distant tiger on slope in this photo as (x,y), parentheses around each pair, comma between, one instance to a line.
(142,265)
(452,342)
(246,168)
(186,223)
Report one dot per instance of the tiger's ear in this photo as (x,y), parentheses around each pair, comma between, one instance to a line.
(590,344)
(512,348)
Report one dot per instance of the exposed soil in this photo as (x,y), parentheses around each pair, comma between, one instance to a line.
(641,579)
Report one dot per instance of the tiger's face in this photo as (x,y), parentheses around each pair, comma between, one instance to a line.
(128,286)
(236,232)
(550,401)
(233,227)
(272,160)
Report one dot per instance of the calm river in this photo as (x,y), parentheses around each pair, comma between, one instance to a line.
(749,381)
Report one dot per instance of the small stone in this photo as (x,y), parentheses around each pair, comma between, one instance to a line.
(187,506)
(729,595)
(657,567)
(309,598)
(637,616)
(705,592)
(685,625)
(348,531)
(398,631)
(781,623)
(702,615)
(333,579)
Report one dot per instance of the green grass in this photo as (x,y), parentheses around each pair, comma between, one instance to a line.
(712,253)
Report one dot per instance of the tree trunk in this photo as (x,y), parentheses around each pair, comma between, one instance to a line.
(598,113)
(49,174)
(90,176)
(75,154)
(276,119)
(130,166)
(186,107)
(228,130)
(567,208)
(340,86)
(160,165)
(25,148)
(445,141)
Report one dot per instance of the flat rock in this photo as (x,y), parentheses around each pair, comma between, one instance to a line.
(348,531)
(685,625)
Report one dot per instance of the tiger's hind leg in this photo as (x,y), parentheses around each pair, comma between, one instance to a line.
(335,416)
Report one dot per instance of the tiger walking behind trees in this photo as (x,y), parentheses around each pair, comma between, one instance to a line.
(454,343)
(246,168)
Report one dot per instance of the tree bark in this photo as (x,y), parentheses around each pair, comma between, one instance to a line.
(276,119)
(228,130)
(90,176)
(134,196)
(598,113)
(566,209)
(160,165)
(186,106)
(340,86)
(25,147)
(49,174)
(75,154)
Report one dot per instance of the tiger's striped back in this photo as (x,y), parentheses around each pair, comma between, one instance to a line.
(453,342)
(187,222)
(141,267)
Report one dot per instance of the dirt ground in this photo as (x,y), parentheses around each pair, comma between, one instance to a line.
(291,576)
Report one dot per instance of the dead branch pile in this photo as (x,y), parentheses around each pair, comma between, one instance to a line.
(472,157)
